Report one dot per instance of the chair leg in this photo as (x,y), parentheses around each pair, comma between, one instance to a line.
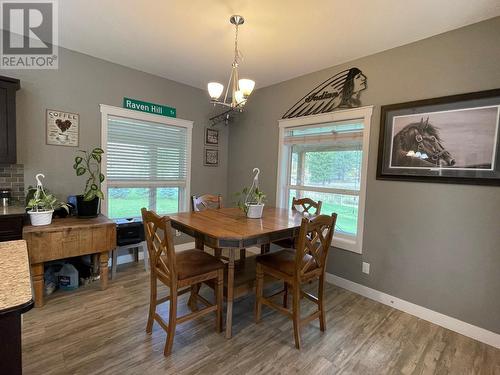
(172,321)
(285,295)
(321,306)
(152,304)
(146,256)
(193,298)
(219,298)
(114,256)
(217,252)
(296,314)
(259,288)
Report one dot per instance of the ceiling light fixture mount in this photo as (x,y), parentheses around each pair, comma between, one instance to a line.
(240,88)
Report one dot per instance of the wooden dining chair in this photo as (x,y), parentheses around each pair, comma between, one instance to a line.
(295,267)
(306,206)
(206,202)
(178,271)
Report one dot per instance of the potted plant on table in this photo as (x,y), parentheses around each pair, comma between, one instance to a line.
(87,204)
(251,199)
(41,205)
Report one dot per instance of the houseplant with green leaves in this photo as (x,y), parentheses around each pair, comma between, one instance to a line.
(88,164)
(41,205)
(251,199)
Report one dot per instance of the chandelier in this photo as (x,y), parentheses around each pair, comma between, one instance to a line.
(238,89)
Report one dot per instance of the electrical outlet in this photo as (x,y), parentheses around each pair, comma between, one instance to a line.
(177,233)
(365,267)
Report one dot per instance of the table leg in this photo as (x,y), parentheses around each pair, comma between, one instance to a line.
(37,274)
(103,272)
(95,265)
(265,248)
(198,244)
(230,293)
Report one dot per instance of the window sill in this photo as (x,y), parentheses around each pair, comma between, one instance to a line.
(346,243)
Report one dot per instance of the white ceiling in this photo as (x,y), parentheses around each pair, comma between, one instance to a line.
(191,41)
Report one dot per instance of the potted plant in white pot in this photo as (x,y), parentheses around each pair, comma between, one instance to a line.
(252,199)
(41,205)
(87,204)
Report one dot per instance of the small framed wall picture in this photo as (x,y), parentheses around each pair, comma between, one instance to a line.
(211,137)
(211,157)
(62,128)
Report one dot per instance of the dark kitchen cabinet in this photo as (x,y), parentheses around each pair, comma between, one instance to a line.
(11,227)
(8,88)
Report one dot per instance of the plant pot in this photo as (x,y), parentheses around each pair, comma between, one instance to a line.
(254,210)
(87,209)
(40,217)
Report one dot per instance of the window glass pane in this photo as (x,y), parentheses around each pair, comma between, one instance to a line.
(167,200)
(127,202)
(346,207)
(293,169)
(329,167)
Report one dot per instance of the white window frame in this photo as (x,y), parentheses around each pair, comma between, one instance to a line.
(362,114)
(106,111)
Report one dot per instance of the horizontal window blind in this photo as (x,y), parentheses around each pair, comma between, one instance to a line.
(344,133)
(145,151)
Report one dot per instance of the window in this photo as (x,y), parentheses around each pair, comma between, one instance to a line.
(324,157)
(146,162)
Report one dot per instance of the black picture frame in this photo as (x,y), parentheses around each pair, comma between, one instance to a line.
(211,157)
(211,137)
(477,145)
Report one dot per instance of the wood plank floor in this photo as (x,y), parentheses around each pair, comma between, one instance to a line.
(103,332)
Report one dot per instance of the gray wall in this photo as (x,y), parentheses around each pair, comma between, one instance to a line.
(79,85)
(436,245)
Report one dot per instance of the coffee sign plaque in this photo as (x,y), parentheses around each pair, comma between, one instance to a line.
(62,128)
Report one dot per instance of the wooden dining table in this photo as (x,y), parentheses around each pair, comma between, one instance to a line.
(229,228)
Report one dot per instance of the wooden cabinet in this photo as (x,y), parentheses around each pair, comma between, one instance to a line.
(65,238)
(8,88)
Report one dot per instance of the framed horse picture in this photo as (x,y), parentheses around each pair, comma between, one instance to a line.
(452,139)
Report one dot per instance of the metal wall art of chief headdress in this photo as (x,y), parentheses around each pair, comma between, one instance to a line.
(340,91)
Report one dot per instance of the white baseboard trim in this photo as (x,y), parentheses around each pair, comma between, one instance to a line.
(453,324)
(129,258)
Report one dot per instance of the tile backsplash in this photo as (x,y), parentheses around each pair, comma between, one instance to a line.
(12,177)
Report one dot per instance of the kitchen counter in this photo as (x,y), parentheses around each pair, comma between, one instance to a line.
(15,299)
(12,210)
(15,282)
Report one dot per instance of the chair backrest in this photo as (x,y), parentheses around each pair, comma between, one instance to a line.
(306,204)
(206,201)
(161,250)
(315,238)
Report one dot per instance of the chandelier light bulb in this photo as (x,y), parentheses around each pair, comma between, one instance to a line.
(215,90)
(238,95)
(246,86)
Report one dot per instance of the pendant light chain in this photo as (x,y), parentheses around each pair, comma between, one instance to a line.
(236,52)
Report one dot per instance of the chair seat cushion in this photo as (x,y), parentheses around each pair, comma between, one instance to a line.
(283,261)
(195,262)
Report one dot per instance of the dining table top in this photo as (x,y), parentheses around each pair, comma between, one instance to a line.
(231,226)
